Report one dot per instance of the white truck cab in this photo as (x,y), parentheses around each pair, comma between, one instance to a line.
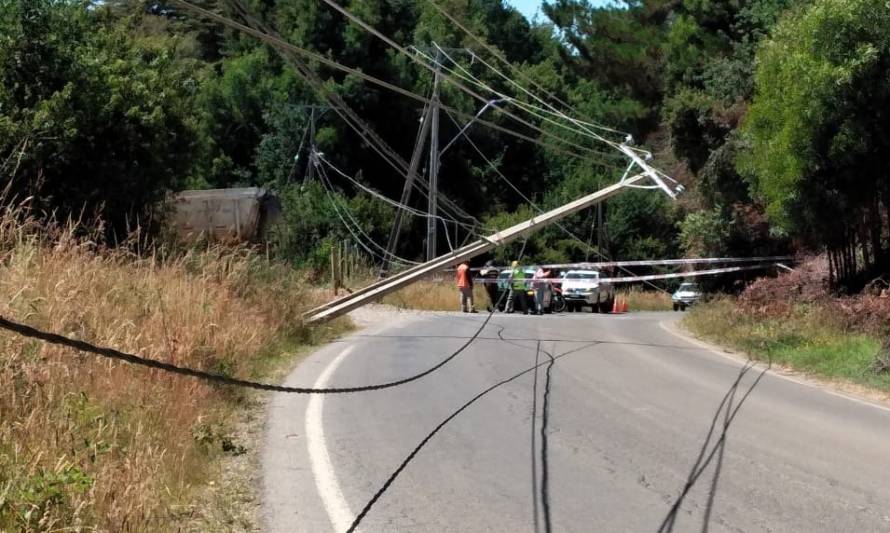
(582,288)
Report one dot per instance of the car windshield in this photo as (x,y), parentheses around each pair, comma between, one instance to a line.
(582,275)
(689,287)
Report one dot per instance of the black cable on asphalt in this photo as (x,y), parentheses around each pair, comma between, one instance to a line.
(364,512)
(534,448)
(545,467)
(110,353)
(702,462)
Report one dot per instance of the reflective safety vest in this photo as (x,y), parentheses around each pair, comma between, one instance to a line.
(519,279)
(463,277)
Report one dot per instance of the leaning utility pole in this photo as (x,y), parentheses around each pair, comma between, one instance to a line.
(310,169)
(313,117)
(406,192)
(433,204)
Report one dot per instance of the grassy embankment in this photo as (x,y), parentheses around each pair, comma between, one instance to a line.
(810,337)
(92,444)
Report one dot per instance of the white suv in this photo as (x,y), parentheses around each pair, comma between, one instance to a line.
(583,288)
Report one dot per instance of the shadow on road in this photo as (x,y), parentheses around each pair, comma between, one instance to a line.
(704,459)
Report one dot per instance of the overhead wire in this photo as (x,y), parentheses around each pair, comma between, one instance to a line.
(362,129)
(539,209)
(581,126)
(299,151)
(470,229)
(281,45)
(395,203)
(519,73)
(268,35)
(433,68)
(533,110)
(355,226)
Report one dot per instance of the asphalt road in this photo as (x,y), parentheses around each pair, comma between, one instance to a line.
(638,422)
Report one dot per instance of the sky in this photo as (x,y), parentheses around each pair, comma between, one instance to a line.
(530,7)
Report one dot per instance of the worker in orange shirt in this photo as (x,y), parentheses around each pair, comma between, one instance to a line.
(465,288)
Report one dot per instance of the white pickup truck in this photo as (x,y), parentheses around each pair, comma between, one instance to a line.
(582,288)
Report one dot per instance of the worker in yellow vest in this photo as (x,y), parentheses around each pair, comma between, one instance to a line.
(518,289)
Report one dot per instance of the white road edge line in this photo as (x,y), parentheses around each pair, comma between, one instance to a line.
(672,329)
(322,468)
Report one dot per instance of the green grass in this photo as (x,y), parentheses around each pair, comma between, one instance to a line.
(806,339)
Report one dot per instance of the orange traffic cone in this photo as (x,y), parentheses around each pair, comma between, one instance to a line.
(615,306)
(624,306)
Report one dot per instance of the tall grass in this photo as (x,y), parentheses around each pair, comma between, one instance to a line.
(88,443)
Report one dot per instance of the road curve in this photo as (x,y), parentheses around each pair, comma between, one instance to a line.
(643,430)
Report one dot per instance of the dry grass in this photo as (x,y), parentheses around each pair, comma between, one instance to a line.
(88,443)
(434,294)
(646,300)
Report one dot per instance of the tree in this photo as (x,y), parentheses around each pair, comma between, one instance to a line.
(104,117)
(818,131)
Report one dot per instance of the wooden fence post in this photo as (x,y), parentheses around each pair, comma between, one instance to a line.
(335,268)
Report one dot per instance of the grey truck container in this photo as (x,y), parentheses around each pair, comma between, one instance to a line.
(226,215)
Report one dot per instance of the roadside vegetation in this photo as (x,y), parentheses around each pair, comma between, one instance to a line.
(88,443)
(791,320)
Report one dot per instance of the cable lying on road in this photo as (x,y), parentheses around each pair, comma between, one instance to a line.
(110,353)
(364,512)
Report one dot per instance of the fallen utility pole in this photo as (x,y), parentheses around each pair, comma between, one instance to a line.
(383,287)
(433,198)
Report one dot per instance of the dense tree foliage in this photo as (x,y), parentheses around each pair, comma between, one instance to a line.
(819,131)
(97,114)
(104,107)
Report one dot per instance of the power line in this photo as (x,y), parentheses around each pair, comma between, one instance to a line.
(268,35)
(111,353)
(528,108)
(528,79)
(395,203)
(540,210)
(401,49)
(329,190)
(281,45)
